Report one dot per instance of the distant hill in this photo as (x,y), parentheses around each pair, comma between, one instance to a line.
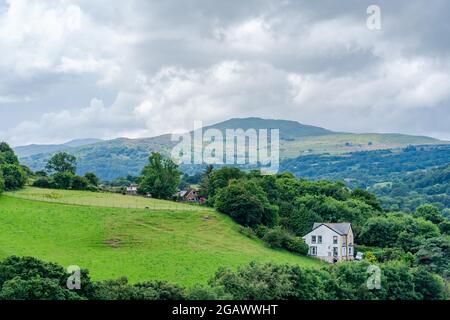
(404,178)
(26,151)
(289,130)
(120,157)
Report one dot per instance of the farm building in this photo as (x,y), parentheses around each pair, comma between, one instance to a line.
(331,242)
(189,195)
(132,190)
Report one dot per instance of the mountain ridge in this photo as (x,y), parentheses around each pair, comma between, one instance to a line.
(122,156)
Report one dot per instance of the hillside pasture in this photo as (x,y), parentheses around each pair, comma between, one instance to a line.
(180,246)
(102,199)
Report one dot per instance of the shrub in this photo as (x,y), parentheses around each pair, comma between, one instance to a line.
(275,237)
(14,177)
(248,232)
(80,183)
(62,180)
(92,178)
(297,245)
(43,182)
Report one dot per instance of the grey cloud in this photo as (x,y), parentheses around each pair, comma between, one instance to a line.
(312,61)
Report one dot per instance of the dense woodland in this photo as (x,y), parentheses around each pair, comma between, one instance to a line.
(404,178)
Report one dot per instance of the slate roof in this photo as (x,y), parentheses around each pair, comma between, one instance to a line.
(341,228)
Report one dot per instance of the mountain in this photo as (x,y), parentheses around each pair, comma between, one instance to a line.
(119,157)
(289,130)
(29,150)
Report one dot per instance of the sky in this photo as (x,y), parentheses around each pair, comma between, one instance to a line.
(104,69)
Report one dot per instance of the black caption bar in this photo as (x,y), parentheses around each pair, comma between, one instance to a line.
(173,310)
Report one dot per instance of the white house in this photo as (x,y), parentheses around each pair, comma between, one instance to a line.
(132,189)
(331,242)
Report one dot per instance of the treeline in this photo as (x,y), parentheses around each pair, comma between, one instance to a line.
(27,278)
(388,173)
(13,176)
(413,189)
(281,209)
(60,173)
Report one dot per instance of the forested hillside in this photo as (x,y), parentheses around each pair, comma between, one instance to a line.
(405,177)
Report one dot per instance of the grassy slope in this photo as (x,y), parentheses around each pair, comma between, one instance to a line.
(349,142)
(98,199)
(179,246)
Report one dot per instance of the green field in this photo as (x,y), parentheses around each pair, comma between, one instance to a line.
(181,246)
(101,199)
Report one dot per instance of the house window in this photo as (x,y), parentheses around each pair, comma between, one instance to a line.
(344,251)
(335,239)
(314,251)
(313,239)
(335,251)
(350,250)
(319,239)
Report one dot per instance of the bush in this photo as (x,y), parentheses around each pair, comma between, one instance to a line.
(120,289)
(275,237)
(163,290)
(30,278)
(428,286)
(36,289)
(2,182)
(14,177)
(261,230)
(92,178)
(297,245)
(43,182)
(280,238)
(62,180)
(199,292)
(248,232)
(80,183)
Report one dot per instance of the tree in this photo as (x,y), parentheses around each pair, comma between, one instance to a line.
(36,289)
(42,182)
(2,182)
(434,254)
(30,278)
(246,203)
(397,230)
(79,183)
(160,177)
(214,180)
(368,198)
(7,155)
(92,178)
(14,177)
(205,183)
(62,180)
(430,213)
(428,286)
(62,162)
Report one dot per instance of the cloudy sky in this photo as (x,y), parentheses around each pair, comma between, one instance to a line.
(105,69)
